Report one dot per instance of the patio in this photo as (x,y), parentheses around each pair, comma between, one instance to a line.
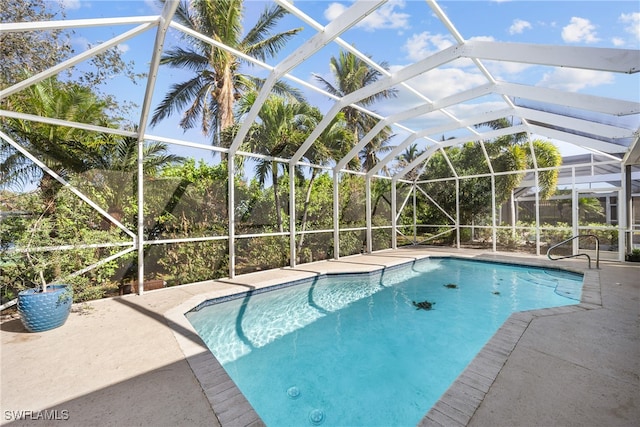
(498,138)
(134,360)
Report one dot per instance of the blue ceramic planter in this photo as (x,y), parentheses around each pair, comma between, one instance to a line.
(44,311)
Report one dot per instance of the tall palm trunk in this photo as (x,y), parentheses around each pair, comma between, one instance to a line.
(225,99)
(276,196)
(49,188)
(373,213)
(305,210)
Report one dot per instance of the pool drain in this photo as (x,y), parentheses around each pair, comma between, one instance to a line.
(316,416)
(293,392)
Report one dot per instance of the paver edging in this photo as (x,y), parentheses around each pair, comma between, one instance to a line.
(231,408)
(508,334)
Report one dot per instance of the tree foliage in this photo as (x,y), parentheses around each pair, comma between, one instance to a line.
(187,199)
(509,153)
(350,74)
(30,52)
(208,98)
(62,149)
(27,53)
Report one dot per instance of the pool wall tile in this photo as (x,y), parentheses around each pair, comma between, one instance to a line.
(371,275)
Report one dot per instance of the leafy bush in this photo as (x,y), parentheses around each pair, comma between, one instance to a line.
(192,262)
(507,238)
(261,253)
(634,256)
(607,236)
(26,251)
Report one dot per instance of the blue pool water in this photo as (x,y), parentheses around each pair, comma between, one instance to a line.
(353,350)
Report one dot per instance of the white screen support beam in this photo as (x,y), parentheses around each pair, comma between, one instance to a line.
(351,17)
(589,58)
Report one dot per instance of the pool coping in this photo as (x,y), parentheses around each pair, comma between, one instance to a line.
(459,403)
(455,407)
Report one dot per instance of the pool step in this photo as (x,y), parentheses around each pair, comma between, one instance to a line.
(539,278)
(566,288)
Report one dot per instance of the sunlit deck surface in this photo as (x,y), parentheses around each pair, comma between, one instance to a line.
(135,360)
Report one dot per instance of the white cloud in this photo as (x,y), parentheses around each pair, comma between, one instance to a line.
(385,17)
(434,84)
(573,80)
(70,4)
(419,46)
(519,26)
(460,111)
(441,82)
(579,30)
(632,22)
(475,108)
(617,41)
(123,48)
(334,10)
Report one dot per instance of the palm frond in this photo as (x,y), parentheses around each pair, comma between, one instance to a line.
(244,83)
(15,169)
(182,14)
(282,88)
(177,98)
(178,57)
(327,85)
(262,171)
(197,111)
(269,47)
(266,22)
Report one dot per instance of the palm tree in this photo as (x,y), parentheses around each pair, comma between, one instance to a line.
(115,164)
(514,154)
(63,149)
(103,159)
(283,126)
(503,123)
(370,154)
(332,144)
(351,73)
(209,96)
(122,155)
(409,155)
(547,156)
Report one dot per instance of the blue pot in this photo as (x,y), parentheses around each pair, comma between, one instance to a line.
(44,311)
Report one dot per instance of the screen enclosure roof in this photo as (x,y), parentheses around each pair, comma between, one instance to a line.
(597,122)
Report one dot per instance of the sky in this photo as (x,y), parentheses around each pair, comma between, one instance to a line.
(400,33)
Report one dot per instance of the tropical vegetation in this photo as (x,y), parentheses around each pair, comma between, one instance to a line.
(351,73)
(186,200)
(208,98)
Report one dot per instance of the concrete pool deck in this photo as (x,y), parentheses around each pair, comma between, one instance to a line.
(135,360)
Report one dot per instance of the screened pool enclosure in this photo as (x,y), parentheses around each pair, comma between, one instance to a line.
(112,175)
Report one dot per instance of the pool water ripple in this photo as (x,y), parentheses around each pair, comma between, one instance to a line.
(355,350)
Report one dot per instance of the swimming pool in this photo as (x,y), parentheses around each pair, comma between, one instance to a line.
(355,349)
